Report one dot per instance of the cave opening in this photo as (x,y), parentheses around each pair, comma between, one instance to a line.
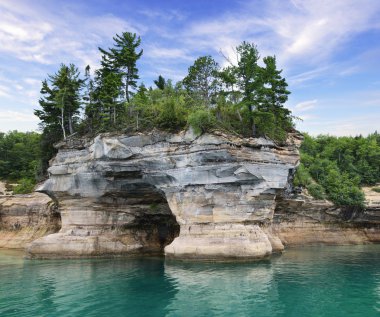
(148,218)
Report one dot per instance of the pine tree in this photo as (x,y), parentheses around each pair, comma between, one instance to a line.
(122,59)
(61,100)
(202,80)
(160,82)
(249,79)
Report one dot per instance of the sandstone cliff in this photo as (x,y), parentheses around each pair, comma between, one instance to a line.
(207,197)
(199,197)
(302,220)
(24,218)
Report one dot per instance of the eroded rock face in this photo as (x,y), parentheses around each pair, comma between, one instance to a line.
(122,194)
(24,218)
(306,221)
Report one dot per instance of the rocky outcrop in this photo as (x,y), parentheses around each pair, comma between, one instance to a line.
(211,196)
(24,218)
(205,197)
(305,221)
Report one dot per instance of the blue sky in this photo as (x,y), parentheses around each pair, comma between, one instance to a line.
(329,50)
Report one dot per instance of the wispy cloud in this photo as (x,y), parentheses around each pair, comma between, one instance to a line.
(45,37)
(166,15)
(305,105)
(345,126)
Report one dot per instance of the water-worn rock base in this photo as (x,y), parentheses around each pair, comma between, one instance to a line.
(220,241)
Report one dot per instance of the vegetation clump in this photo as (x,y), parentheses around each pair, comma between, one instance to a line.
(336,167)
(20,159)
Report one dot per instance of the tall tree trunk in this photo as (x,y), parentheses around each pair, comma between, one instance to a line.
(62,122)
(239,115)
(126,88)
(71,130)
(251,121)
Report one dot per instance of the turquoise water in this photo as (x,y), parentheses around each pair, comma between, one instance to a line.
(317,281)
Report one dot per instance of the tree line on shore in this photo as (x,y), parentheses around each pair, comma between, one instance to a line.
(336,168)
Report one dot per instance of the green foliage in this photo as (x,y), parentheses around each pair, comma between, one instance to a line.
(340,166)
(19,155)
(202,80)
(20,159)
(172,115)
(201,121)
(61,100)
(246,99)
(302,176)
(122,59)
(25,186)
(160,82)
(376,189)
(316,190)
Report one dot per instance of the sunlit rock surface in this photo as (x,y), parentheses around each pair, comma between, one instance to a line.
(24,218)
(198,197)
(304,221)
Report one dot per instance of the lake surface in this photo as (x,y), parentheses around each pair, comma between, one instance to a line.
(313,281)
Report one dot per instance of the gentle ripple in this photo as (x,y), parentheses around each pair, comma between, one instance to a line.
(315,281)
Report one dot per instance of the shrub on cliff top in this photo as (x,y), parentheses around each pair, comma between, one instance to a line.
(201,121)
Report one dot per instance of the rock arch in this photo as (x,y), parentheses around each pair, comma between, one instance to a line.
(115,192)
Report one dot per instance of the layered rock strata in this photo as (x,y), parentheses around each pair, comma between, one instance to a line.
(24,218)
(198,197)
(305,221)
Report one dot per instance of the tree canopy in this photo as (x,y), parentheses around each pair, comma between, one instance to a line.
(336,168)
(20,159)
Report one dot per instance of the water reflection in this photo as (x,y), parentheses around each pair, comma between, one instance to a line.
(223,289)
(327,281)
(107,287)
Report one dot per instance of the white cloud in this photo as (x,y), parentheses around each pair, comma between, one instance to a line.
(45,37)
(303,77)
(4,91)
(305,105)
(22,121)
(341,127)
(8,115)
(307,32)
(166,15)
(160,53)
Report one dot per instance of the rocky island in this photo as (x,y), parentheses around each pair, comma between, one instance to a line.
(213,197)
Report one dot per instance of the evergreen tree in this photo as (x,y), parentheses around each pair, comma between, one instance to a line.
(249,79)
(122,59)
(274,96)
(160,82)
(59,113)
(108,88)
(61,100)
(202,80)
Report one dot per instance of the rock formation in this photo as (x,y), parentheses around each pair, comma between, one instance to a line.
(24,218)
(198,197)
(302,220)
